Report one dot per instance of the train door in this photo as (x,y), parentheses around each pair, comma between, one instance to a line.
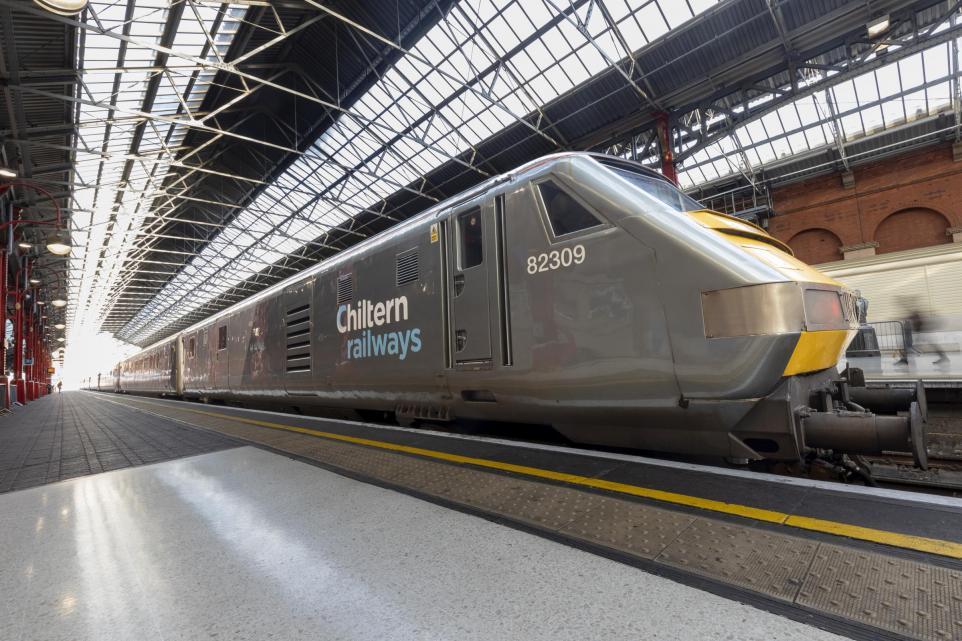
(470,233)
(218,348)
(298,334)
(172,361)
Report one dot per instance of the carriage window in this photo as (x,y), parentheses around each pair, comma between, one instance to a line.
(565,213)
(469,229)
(222,337)
(191,346)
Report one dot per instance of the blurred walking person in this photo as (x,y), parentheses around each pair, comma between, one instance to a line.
(910,326)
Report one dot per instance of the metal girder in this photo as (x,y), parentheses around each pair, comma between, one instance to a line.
(753,107)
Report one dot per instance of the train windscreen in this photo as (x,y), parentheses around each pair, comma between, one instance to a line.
(660,190)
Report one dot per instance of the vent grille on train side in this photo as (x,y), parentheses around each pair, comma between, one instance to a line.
(407,266)
(297,324)
(345,288)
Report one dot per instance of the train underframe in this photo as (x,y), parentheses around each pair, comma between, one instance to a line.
(836,418)
(822,416)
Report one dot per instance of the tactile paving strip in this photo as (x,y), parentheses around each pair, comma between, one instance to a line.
(763,561)
(911,598)
(908,597)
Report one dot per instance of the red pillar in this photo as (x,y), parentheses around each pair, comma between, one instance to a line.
(29,330)
(43,353)
(664,143)
(4,390)
(18,337)
(34,350)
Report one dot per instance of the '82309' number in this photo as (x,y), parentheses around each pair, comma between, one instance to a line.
(556,259)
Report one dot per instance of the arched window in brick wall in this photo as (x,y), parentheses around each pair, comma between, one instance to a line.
(814,246)
(911,229)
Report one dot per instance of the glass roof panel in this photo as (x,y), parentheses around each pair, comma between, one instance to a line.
(111,218)
(350,173)
(915,87)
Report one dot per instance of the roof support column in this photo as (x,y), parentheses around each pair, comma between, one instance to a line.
(18,382)
(664,143)
(4,382)
(29,333)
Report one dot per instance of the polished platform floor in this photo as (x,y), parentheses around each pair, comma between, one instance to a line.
(248,544)
(301,527)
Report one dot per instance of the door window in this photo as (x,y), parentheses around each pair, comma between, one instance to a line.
(222,337)
(470,233)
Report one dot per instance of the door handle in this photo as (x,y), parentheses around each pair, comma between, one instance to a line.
(458,284)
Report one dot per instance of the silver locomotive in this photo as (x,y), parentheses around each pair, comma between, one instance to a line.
(580,291)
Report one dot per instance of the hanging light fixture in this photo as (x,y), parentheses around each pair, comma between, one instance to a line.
(60,339)
(878,26)
(34,281)
(24,245)
(59,326)
(58,302)
(6,172)
(58,243)
(63,7)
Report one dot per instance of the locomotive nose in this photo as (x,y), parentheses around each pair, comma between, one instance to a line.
(822,317)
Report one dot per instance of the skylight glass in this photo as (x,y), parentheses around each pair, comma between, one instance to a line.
(892,95)
(373,150)
(116,180)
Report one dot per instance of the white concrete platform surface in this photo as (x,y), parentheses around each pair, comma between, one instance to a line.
(247,544)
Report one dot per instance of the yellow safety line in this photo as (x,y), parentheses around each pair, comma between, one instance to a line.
(894,539)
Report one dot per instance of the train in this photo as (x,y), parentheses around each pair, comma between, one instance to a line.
(580,291)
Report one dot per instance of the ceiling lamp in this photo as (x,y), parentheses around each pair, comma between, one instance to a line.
(58,302)
(41,303)
(7,173)
(63,7)
(60,339)
(34,281)
(58,243)
(59,326)
(24,245)
(878,26)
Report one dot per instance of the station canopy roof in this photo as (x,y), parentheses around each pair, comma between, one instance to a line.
(219,148)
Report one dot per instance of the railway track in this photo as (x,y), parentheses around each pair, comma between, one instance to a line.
(944,473)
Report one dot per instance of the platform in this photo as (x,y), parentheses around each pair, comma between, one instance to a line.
(623,546)
(66,435)
(246,544)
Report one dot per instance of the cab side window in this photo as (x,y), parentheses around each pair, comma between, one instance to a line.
(470,233)
(565,214)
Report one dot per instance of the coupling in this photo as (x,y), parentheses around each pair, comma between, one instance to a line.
(866,433)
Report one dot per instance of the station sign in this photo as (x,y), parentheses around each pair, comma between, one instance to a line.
(28,361)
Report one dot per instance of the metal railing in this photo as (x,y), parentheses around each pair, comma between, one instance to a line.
(744,202)
(890,335)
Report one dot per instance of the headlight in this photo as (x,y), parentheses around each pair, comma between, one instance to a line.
(829,309)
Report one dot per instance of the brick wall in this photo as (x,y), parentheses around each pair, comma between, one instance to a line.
(901,203)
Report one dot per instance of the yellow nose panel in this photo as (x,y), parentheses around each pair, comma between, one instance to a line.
(818,350)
